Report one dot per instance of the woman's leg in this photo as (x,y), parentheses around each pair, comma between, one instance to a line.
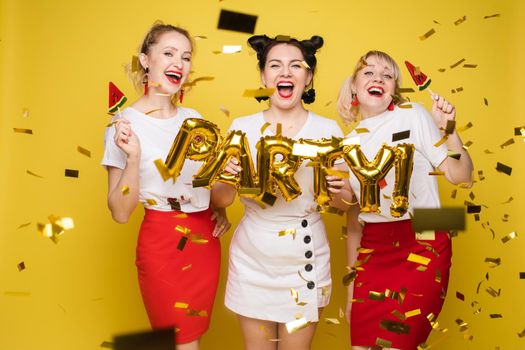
(194,345)
(258,334)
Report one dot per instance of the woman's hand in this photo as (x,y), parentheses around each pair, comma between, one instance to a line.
(350,296)
(335,183)
(442,111)
(126,139)
(232,167)
(222,225)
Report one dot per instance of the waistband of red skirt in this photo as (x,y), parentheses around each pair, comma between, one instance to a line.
(167,215)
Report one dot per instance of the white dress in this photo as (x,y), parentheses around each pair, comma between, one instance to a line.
(264,267)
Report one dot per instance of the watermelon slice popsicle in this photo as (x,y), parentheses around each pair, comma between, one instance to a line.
(116,99)
(421,80)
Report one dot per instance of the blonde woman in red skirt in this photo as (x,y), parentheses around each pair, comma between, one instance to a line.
(172,269)
(387,285)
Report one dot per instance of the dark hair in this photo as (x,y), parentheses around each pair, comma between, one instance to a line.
(262,45)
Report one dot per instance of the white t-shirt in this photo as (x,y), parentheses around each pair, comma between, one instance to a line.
(424,134)
(156,136)
(315,127)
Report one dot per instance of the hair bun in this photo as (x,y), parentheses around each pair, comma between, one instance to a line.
(258,43)
(317,42)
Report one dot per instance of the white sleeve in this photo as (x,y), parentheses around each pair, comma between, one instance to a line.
(429,135)
(113,155)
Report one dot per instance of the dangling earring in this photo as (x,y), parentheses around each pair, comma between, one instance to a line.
(391,106)
(355,101)
(181,95)
(309,95)
(145,81)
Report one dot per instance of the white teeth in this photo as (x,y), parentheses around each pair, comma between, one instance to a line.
(285,85)
(175,75)
(375,90)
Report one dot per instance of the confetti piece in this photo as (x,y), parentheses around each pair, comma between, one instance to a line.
(236,21)
(522,275)
(405,106)
(451,125)
(285,38)
(125,190)
(349,278)
(470,65)
(441,70)
(509,237)
(508,200)
(505,218)
(460,20)
(23,131)
(361,130)
(264,127)
(459,89)
(493,292)
(199,313)
(457,63)
(436,173)
(487,151)
(151,201)
(480,175)
(486,101)
(467,145)
(162,94)
(473,209)
(181,216)
(493,262)
(496,316)
(224,110)
(454,155)
(153,111)
(24,225)
(412,313)
(21,266)
(442,141)
(84,151)
(187,267)
(439,219)
(107,344)
(25,113)
(383,343)
(427,34)
(521,334)
(34,174)
(405,90)
(453,194)
(418,259)
(373,295)
(400,135)
(492,16)
(71,173)
(294,326)
(180,305)
(267,92)
(394,326)
(305,65)
(519,131)
(507,143)
(502,168)
(200,37)
(182,243)
(460,296)
(134,64)
(331,320)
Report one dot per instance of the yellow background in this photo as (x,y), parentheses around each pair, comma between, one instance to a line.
(56,58)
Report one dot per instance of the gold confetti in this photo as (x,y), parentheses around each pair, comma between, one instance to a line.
(305,65)
(454,155)
(162,94)
(496,316)
(470,65)
(465,127)
(151,201)
(508,200)
(427,34)
(84,151)
(457,63)
(227,49)
(111,124)
(361,130)
(467,145)
(187,267)
(295,325)
(442,141)
(373,295)
(199,313)
(17,293)
(405,90)
(441,70)
(460,20)
(288,231)
(502,168)
(486,101)
(459,89)
(264,127)
(521,334)
(125,190)
(507,143)
(21,266)
(224,110)
(394,326)
(331,320)
(71,173)
(421,268)
(418,259)
(24,225)
(493,292)
(508,237)
(505,218)
(383,343)
(267,92)
(492,16)
(487,151)
(436,173)
(23,131)
(153,111)
(493,262)
(107,344)
(200,37)
(399,315)
(349,278)
(34,174)
(180,305)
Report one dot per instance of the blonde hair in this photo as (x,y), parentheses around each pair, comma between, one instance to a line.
(152,37)
(345,109)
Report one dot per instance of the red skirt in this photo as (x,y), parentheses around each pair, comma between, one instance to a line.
(178,272)
(389,288)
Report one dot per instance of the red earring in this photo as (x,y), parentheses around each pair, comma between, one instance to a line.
(181,95)
(391,106)
(355,101)
(145,81)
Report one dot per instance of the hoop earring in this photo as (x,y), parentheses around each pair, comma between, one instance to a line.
(145,81)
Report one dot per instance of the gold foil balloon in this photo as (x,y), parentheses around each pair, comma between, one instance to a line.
(323,153)
(276,166)
(196,140)
(404,165)
(234,145)
(369,173)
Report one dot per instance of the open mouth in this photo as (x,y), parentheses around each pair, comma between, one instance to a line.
(285,89)
(376,91)
(174,77)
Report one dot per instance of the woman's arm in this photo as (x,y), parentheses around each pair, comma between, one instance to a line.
(122,203)
(460,170)
(342,194)
(353,242)
(223,194)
